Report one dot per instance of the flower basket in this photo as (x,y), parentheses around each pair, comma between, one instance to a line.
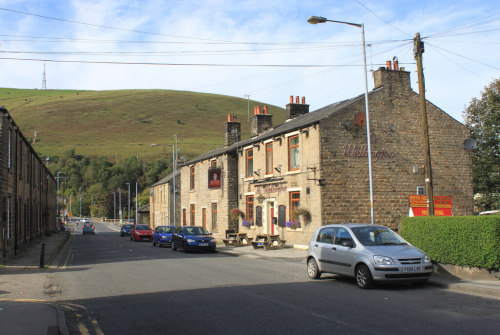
(247,223)
(235,214)
(293,224)
(302,213)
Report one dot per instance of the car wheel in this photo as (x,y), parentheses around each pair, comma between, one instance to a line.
(312,269)
(173,246)
(213,251)
(364,277)
(121,235)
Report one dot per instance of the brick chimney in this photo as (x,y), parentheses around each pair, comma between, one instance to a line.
(295,109)
(392,76)
(260,121)
(233,130)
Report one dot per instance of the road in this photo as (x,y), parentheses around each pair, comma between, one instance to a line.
(108,284)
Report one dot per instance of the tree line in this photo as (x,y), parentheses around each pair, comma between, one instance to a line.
(96,183)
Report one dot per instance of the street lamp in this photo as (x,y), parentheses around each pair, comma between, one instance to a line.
(120,207)
(128,202)
(320,19)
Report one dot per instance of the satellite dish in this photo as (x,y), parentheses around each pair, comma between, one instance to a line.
(470,144)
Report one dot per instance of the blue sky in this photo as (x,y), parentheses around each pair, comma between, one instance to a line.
(87,43)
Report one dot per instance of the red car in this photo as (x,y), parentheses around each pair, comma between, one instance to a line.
(141,232)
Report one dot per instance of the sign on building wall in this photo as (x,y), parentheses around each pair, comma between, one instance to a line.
(418,205)
(214,178)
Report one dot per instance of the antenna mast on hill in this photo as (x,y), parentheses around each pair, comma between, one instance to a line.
(44,79)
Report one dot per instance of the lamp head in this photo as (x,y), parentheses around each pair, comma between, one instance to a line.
(316,19)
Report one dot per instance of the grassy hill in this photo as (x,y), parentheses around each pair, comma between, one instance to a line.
(125,123)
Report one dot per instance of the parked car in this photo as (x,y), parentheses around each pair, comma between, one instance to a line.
(162,235)
(141,232)
(193,238)
(84,220)
(88,228)
(370,253)
(125,229)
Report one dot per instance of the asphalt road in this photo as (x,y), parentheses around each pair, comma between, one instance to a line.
(111,285)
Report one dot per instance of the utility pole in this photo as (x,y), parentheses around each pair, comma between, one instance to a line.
(248,106)
(418,50)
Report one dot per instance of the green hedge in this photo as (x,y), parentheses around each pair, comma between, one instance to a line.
(460,240)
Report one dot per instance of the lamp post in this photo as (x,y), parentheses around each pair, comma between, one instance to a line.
(120,207)
(128,202)
(114,207)
(320,19)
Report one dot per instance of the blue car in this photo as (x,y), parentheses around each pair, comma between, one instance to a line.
(125,229)
(88,228)
(162,235)
(193,238)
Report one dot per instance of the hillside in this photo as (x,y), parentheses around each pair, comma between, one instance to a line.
(125,123)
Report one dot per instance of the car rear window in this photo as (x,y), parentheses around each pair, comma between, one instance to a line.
(142,227)
(166,229)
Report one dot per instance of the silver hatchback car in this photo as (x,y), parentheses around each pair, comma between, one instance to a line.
(370,253)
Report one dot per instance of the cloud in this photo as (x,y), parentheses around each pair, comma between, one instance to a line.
(268,32)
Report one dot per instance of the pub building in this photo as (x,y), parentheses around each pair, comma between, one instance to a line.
(316,164)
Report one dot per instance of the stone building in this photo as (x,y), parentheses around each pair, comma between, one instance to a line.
(209,185)
(27,191)
(161,201)
(317,162)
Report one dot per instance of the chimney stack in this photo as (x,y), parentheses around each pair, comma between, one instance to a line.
(392,76)
(295,109)
(233,130)
(260,122)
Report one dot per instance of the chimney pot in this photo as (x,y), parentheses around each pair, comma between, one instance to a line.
(258,109)
(265,110)
(396,65)
(291,99)
(228,117)
(303,100)
(388,65)
(297,99)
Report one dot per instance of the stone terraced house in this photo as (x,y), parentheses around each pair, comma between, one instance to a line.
(27,191)
(317,162)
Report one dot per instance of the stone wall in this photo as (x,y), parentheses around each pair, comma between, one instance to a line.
(397,146)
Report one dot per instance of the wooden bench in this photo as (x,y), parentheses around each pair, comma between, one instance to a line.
(229,242)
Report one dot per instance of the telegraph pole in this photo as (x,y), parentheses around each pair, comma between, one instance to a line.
(418,49)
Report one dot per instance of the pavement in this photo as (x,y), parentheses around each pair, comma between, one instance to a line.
(28,316)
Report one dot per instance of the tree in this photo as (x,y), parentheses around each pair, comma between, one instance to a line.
(482,116)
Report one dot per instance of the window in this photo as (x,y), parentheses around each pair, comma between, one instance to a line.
(184,223)
(249,163)
(269,158)
(420,190)
(204,217)
(214,216)
(294,202)
(342,235)
(326,236)
(293,153)
(191,177)
(191,211)
(213,163)
(250,207)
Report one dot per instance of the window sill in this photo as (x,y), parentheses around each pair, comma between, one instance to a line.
(292,172)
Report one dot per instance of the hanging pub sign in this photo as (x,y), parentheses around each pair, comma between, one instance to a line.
(214,178)
(418,205)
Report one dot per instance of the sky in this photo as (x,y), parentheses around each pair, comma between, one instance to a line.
(261,50)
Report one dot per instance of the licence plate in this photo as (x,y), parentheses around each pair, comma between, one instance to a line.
(412,269)
(203,244)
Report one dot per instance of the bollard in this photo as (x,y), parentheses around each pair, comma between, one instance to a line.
(42,256)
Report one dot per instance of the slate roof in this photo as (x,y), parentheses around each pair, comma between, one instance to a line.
(166,179)
(298,122)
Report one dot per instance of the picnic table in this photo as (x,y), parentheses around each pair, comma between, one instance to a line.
(268,242)
(236,239)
